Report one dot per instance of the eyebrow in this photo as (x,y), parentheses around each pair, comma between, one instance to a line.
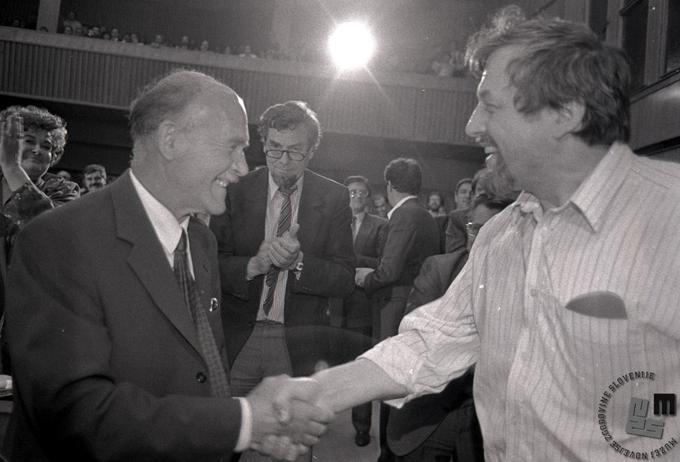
(294,146)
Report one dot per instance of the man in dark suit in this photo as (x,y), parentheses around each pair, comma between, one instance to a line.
(114,324)
(412,236)
(369,232)
(285,247)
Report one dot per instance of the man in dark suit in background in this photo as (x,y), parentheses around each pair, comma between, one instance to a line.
(114,324)
(369,232)
(412,236)
(285,247)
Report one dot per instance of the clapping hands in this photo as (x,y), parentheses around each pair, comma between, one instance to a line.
(282,252)
(287,416)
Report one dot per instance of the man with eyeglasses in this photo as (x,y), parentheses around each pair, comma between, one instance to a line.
(285,247)
(368,232)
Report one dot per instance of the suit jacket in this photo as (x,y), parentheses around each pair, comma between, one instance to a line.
(412,236)
(107,363)
(368,247)
(325,237)
(410,426)
(456,236)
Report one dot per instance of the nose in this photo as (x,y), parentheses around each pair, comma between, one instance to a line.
(240,167)
(475,125)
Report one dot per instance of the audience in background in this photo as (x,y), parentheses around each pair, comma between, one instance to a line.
(380,205)
(94,178)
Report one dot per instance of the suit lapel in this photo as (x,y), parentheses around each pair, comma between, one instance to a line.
(365,231)
(147,258)
(256,199)
(310,214)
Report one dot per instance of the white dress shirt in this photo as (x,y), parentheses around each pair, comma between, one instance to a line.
(566,312)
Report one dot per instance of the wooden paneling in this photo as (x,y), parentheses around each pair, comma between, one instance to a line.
(100,73)
(656,115)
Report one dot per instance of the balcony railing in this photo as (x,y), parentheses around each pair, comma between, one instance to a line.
(109,74)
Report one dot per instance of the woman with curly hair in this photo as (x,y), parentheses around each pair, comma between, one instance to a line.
(31,141)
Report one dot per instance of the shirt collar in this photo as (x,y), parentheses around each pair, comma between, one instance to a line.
(399,204)
(594,196)
(164,223)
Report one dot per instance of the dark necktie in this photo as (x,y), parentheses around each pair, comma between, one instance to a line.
(211,355)
(354,228)
(283,226)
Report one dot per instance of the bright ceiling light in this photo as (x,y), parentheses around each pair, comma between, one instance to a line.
(351,45)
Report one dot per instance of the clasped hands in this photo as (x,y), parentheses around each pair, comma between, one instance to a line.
(282,252)
(287,416)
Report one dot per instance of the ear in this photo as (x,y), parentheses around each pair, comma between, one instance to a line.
(569,118)
(166,137)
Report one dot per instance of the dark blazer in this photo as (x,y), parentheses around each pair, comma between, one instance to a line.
(412,236)
(456,236)
(370,240)
(105,354)
(325,237)
(368,247)
(410,426)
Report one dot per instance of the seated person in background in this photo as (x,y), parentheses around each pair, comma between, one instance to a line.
(31,141)
(94,177)
(443,425)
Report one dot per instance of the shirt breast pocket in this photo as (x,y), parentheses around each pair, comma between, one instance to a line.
(598,318)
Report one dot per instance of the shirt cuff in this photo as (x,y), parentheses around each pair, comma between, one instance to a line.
(246,433)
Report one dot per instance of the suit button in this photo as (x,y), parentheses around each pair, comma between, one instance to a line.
(213,304)
(200,377)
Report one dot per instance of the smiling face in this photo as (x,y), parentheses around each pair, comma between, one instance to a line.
(522,141)
(210,155)
(284,170)
(36,152)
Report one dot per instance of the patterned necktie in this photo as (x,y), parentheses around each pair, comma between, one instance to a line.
(211,355)
(283,226)
(354,228)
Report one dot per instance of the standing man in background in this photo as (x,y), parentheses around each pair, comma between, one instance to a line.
(368,232)
(412,236)
(285,247)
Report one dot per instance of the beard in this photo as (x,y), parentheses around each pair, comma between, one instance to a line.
(502,183)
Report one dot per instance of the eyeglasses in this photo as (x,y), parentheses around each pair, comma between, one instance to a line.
(292,154)
(358,193)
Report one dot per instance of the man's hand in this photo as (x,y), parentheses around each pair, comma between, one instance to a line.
(285,249)
(286,417)
(260,263)
(360,275)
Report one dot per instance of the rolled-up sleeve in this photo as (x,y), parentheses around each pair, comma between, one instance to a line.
(437,342)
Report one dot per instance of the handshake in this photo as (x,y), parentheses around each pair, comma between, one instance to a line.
(288,417)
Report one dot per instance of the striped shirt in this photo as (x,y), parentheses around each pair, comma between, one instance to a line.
(274,203)
(571,314)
